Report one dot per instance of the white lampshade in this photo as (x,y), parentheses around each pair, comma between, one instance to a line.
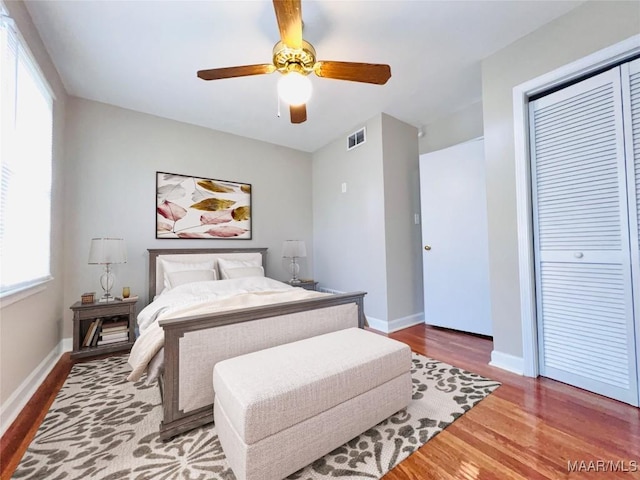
(294,88)
(107,250)
(294,248)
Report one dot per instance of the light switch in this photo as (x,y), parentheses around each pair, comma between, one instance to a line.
(344,187)
(416,218)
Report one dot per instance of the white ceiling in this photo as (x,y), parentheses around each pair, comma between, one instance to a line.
(143,55)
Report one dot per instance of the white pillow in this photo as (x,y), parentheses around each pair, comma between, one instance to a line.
(225,265)
(239,272)
(170,267)
(190,276)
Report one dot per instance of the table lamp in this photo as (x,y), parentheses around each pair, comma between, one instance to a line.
(294,249)
(107,251)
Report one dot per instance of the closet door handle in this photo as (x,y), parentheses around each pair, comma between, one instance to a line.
(427,247)
(578,254)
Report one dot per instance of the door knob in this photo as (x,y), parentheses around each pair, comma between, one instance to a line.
(427,247)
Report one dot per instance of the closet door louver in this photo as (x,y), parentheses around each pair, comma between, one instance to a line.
(631,107)
(581,234)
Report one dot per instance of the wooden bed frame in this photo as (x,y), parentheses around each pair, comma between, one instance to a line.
(175,420)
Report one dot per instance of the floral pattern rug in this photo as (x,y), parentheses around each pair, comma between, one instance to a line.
(102,427)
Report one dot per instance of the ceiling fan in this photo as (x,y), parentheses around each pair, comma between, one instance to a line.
(295,58)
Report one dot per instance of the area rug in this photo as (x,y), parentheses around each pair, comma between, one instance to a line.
(104,428)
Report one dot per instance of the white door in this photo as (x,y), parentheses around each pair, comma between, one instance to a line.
(581,233)
(631,108)
(455,256)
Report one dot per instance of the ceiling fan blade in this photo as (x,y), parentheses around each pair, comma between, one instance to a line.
(289,16)
(298,113)
(355,72)
(230,72)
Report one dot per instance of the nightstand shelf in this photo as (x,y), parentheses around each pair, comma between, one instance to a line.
(307,284)
(84,315)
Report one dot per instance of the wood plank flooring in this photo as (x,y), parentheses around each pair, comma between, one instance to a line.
(527,429)
(18,436)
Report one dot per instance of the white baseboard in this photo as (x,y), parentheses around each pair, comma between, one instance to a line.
(406,322)
(377,324)
(396,324)
(67,345)
(507,362)
(19,398)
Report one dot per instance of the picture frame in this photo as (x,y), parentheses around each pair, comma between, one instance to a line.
(189,207)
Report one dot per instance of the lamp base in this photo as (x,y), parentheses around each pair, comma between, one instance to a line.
(107,298)
(294,268)
(106,282)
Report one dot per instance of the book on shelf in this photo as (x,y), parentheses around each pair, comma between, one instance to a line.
(117,322)
(132,298)
(108,341)
(96,334)
(105,336)
(89,335)
(123,328)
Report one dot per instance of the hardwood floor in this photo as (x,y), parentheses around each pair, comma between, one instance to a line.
(527,429)
(19,435)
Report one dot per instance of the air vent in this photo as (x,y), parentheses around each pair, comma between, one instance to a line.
(356,139)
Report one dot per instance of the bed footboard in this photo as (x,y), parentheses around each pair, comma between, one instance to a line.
(193,345)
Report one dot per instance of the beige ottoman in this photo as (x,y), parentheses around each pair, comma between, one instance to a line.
(277,410)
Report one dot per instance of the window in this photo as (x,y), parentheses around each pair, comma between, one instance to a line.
(26,124)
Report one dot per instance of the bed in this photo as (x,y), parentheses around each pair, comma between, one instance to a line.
(195,339)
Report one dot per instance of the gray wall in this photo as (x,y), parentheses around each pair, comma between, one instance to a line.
(348,228)
(401,204)
(112,158)
(365,238)
(460,126)
(30,328)
(588,28)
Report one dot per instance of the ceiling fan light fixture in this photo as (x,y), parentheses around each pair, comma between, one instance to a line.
(294,88)
(295,59)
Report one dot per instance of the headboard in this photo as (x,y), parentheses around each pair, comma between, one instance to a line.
(195,255)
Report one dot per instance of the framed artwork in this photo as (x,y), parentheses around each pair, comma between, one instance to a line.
(194,207)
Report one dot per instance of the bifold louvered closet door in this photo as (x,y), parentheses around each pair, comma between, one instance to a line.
(584,192)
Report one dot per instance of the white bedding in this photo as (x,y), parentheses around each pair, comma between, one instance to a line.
(200,298)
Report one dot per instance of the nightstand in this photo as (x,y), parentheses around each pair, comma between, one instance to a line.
(307,284)
(118,317)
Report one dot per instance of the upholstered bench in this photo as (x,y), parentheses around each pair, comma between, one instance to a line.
(277,410)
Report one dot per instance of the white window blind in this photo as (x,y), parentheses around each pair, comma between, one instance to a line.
(26,124)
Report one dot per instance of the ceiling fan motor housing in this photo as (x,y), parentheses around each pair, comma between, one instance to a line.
(293,55)
(300,60)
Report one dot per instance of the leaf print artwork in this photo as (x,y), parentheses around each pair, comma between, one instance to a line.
(215,187)
(213,204)
(226,231)
(202,208)
(170,192)
(216,218)
(172,177)
(171,211)
(191,235)
(241,213)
